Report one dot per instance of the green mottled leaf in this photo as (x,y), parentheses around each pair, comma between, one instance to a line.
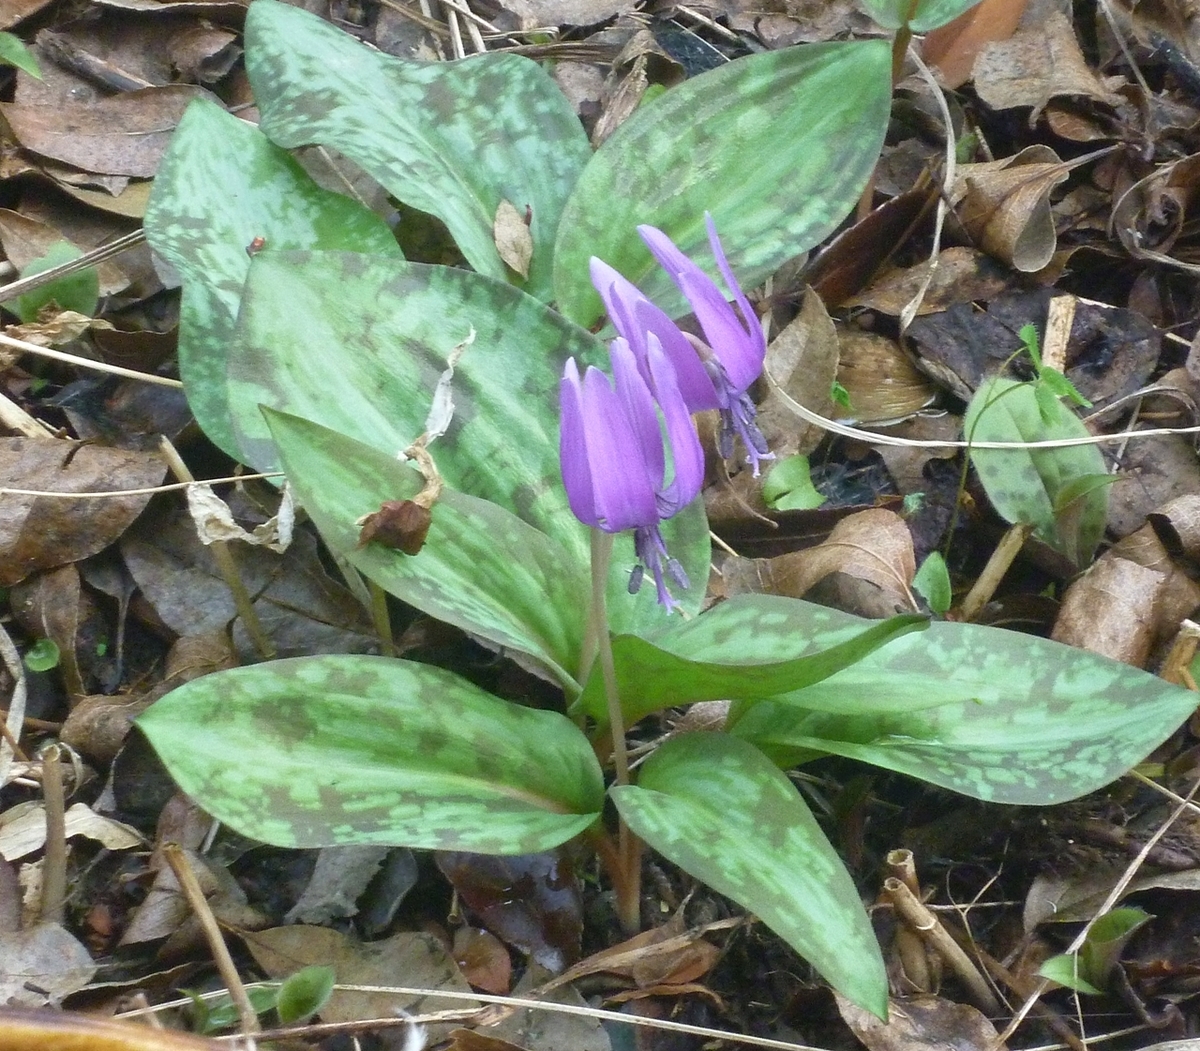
(481,569)
(221,184)
(331,750)
(14,53)
(748,648)
(921,15)
(357,344)
(720,810)
(1026,485)
(451,138)
(79,291)
(994,714)
(777,146)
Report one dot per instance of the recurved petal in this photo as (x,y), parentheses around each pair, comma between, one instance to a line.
(623,487)
(572,447)
(637,400)
(668,254)
(686,453)
(695,384)
(735,348)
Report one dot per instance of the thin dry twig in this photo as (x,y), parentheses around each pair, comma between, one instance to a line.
(54,866)
(87,363)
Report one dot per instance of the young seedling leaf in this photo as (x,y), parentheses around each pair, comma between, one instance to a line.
(994,714)
(777,146)
(453,139)
(1065,970)
(14,53)
(221,188)
(746,649)
(384,330)
(932,582)
(1024,485)
(42,655)
(332,750)
(79,291)
(788,486)
(481,569)
(718,808)
(919,15)
(304,993)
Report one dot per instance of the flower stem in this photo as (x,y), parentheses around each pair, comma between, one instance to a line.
(626,867)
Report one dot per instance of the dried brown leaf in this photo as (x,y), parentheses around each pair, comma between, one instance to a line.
(921,1023)
(39,532)
(514,242)
(954,47)
(1112,610)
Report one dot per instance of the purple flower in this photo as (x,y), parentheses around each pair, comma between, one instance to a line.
(614,463)
(734,347)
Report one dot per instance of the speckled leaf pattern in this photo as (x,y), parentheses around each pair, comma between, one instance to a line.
(481,569)
(357,343)
(1024,485)
(454,139)
(994,714)
(329,750)
(777,146)
(747,648)
(719,809)
(921,15)
(221,184)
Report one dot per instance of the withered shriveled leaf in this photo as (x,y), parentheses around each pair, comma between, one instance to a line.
(38,532)
(1005,205)
(531,901)
(803,361)
(1111,610)
(1150,215)
(484,960)
(961,274)
(123,135)
(954,46)
(59,1030)
(514,242)
(412,959)
(1036,65)
(921,1023)
(42,964)
(873,545)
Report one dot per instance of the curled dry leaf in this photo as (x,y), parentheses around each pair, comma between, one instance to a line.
(1180,594)
(921,1022)
(1111,610)
(954,47)
(873,545)
(802,361)
(961,275)
(1036,65)
(1005,205)
(881,380)
(26,832)
(1150,215)
(1177,525)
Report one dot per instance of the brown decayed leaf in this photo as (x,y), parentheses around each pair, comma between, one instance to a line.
(921,1023)
(1180,595)
(1178,525)
(39,532)
(123,135)
(48,606)
(1154,471)
(954,46)
(25,239)
(1111,610)
(484,960)
(961,275)
(472,1040)
(1149,216)
(410,959)
(1005,205)
(1036,65)
(803,361)
(514,243)
(41,964)
(881,380)
(532,901)
(24,1030)
(533,13)
(854,256)
(872,545)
